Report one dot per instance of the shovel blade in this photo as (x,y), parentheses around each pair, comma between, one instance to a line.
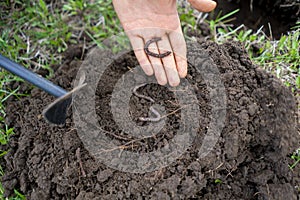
(56,112)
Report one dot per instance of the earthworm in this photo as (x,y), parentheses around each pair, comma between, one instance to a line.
(140,95)
(150,53)
(155,112)
(151,119)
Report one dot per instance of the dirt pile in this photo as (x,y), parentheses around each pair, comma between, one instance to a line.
(249,161)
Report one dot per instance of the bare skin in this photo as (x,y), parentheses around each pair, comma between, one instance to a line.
(144,20)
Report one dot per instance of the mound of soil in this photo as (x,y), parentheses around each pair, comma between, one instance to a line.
(249,161)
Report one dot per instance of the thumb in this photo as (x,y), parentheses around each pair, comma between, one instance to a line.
(203,5)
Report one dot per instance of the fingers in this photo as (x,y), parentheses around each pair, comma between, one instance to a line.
(179,46)
(138,47)
(203,5)
(168,69)
(169,62)
(181,66)
(157,64)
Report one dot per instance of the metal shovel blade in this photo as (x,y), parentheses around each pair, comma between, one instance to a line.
(56,112)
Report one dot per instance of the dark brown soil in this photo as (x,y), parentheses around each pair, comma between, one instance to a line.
(281,14)
(250,159)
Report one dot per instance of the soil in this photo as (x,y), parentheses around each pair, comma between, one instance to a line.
(281,14)
(249,161)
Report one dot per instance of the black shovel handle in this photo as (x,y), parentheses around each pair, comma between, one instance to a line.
(31,77)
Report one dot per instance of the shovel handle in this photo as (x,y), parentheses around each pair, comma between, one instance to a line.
(31,77)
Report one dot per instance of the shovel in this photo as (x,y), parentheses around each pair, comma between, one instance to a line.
(55,112)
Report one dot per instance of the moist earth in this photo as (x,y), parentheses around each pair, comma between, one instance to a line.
(249,161)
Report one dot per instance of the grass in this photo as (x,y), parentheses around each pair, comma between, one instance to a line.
(296,158)
(35,34)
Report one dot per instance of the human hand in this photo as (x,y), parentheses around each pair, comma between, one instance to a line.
(156,24)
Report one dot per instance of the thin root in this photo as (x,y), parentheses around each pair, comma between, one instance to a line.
(80,162)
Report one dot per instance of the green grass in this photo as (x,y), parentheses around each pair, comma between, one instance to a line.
(218,181)
(296,158)
(35,34)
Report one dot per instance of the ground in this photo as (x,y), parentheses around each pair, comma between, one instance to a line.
(249,161)
(250,158)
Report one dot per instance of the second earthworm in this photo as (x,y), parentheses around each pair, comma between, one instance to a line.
(155,112)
